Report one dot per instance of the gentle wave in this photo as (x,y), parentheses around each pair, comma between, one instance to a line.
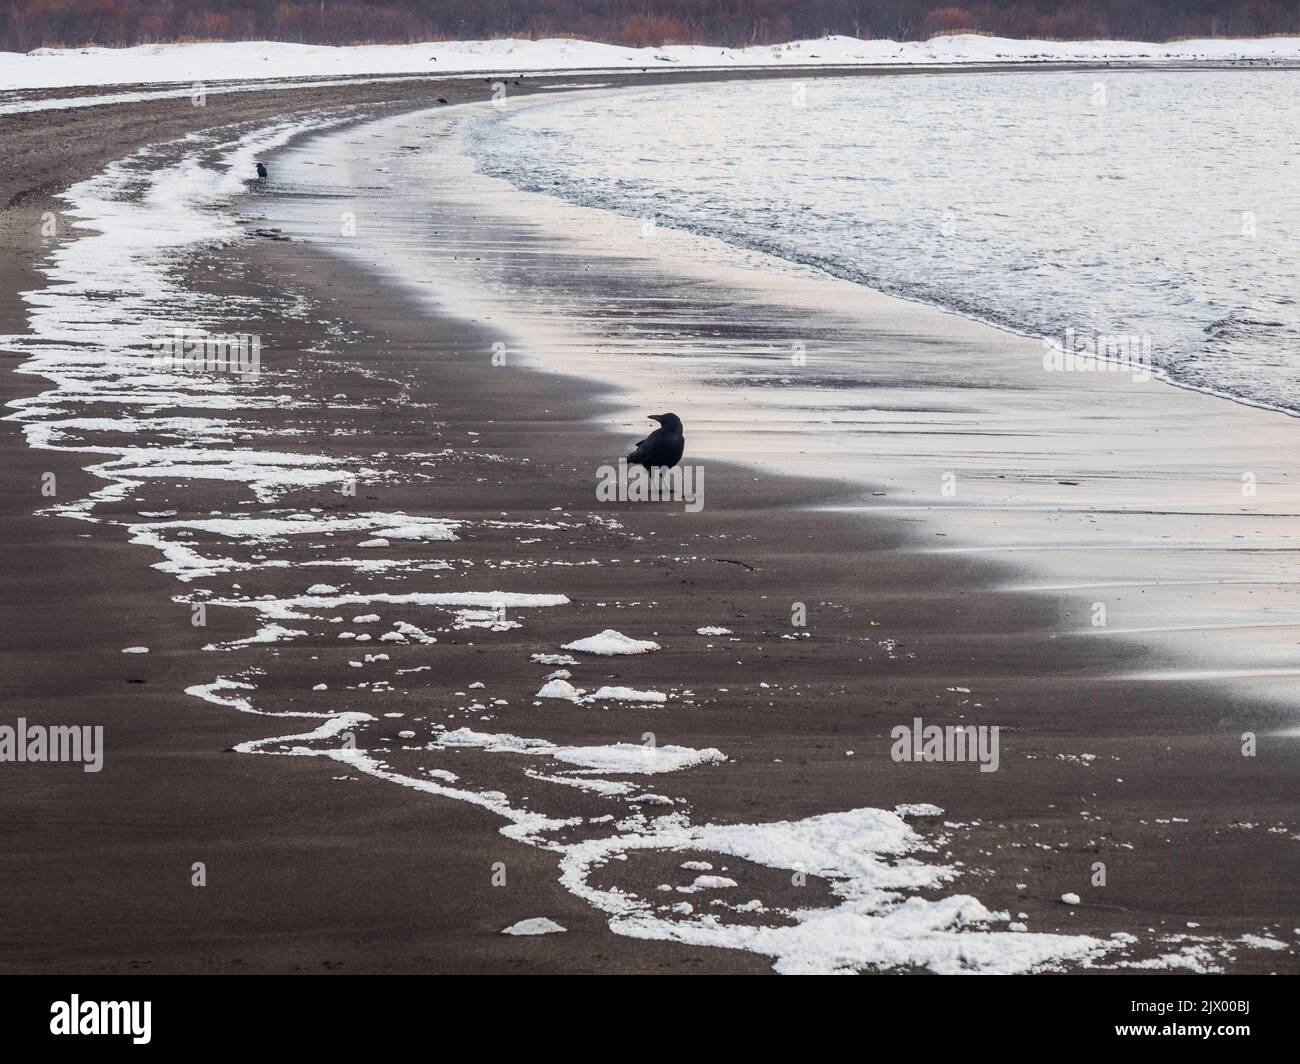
(1150,204)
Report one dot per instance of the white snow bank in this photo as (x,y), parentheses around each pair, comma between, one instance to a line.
(265,60)
(610,642)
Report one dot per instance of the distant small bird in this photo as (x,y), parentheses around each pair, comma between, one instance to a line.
(261,171)
(663,447)
(441,99)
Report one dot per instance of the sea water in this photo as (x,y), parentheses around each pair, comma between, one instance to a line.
(1163,206)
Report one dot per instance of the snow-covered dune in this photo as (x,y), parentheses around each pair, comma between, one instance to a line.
(59,68)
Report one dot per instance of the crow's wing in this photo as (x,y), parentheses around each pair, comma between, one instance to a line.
(642,451)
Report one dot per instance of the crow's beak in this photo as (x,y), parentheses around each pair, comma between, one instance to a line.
(656,417)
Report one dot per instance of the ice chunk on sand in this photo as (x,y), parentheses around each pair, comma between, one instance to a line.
(1262,942)
(917,809)
(538,925)
(559,689)
(634,757)
(502,742)
(609,788)
(554,659)
(628,694)
(418,634)
(712,629)
(619,758)
(135,650)
(610,642)
(708,883)
(1070,899)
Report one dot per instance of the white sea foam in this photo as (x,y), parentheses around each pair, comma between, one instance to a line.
(871,860)
(865,856)
(868,857)
(270,529)
(299,606)
(112,291)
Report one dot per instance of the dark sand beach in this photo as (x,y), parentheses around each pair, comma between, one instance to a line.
(308,872)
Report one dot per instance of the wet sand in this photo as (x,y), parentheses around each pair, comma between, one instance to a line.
(313,873)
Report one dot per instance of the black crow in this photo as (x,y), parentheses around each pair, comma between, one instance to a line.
(442,99)
(261,171)
(663,447)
